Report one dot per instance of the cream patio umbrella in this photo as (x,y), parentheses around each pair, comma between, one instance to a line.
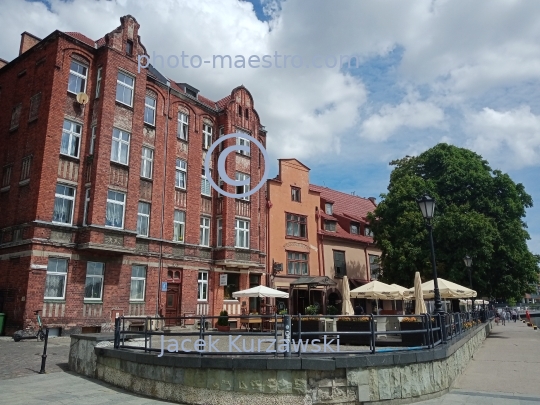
(420,305)
(401,291)
(262,292)
(346,306)
(377,290)
(447,290)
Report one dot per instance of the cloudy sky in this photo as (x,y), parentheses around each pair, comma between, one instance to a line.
(429,71)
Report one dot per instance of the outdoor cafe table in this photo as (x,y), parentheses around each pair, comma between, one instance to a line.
(251,322)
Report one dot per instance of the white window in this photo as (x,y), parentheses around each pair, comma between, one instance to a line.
(150,110)
(205,231)
(86,206)
(138,283)
(71,138)
(242,234)
(120,146)
(330,226)
(328,208)
(183,125)
(55,283)
(179,225)
(143,219)
(243,142)
(181,173)
(205,183)
(93,140)
(207,136)
(368,232)
(93,288)
(355,228)
(64,201)
(202,291)
(116,203)
(147,162)
(242,189)
(77,77)
(98,82)
(124,88)
(220,232)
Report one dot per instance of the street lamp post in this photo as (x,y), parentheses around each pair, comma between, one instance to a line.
(468,262)
(427,207)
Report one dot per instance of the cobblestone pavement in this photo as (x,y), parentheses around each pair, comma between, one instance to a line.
(23,358)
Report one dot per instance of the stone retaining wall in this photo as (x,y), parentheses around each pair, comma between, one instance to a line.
(389,378)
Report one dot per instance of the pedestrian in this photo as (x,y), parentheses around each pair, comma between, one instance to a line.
(359,310)
(528,315)
(503,318)
(514,315)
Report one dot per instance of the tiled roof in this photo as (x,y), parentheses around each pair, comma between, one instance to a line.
(341,233)
(82,38)
(345,204)
(223,102)
(100,42)
(207,101)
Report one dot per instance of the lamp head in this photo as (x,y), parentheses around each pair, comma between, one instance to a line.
(467,260)
(427,207)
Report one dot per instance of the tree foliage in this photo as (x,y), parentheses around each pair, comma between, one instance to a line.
(479,212)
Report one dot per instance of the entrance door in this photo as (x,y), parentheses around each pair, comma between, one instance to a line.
(172,305)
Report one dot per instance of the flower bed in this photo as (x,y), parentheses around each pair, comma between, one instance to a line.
(354,324)
(309,324)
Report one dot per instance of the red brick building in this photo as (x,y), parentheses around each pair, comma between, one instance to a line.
(103,194)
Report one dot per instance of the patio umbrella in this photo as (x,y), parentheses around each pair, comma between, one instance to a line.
(420,305)
(346,306)
(447,290)
(401,291)
(261,291)
(376,290)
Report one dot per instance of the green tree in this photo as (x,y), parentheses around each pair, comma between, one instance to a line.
(479,212)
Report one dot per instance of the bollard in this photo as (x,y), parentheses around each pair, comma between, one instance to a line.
(44,356)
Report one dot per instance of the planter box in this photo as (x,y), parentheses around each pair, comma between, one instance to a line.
(307,326)
(353,326)
(415,339)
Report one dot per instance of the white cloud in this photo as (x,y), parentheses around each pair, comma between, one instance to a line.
(511,138)
(410,114)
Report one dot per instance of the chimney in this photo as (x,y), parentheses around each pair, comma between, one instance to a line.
(27,41)
(3,63)
(373,200)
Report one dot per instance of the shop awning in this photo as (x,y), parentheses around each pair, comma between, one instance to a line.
(314,282)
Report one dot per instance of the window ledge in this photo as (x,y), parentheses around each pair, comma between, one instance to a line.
(137,302)
(122,165)
(87,301)
(231,301)
(63,224)
(121,104)
(75,158)
(13,129)
(24,182)
(147,124)
(33,119)
(4,189)
(147,179)
(296,237)
(52,300)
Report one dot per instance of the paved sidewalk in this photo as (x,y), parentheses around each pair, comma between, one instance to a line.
(504,370)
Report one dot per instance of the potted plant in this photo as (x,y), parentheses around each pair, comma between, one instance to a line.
(414,339)
(332,310)
(308,323)
(223,322)
(283,312)
(354,324)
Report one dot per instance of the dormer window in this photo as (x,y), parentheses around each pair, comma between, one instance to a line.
(355,228)
(368,232)
(129,47)
(191,92)
(295,194)
(330,226)
(328,208)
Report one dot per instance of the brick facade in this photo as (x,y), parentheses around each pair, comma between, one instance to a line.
(29,234)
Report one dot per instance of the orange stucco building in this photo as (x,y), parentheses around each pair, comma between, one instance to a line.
(316,235)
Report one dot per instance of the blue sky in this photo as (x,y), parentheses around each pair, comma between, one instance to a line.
(461,72)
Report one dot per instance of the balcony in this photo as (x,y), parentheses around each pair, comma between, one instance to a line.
(243,208)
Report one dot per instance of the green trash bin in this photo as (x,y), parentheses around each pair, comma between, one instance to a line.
(2,317)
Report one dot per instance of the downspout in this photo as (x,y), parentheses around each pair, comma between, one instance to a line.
(368,270)
(158,302)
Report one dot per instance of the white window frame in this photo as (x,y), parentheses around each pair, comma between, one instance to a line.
(207,136)
(202,286)
(127,86)
(329,209)
(152,108)
(205,184)
(93,139)
(204,235)
(92,276)
(141,216)
(243,142)
(84,77)
(245,188)
(181,172)
(138,278)
(50,272)
(98,82)
(219,236)
(241,227)
(115,202)
(147,162)
(357,226)
(65,197)
(368,232)
(86,206)
(179,226)
(183,126)
(120,141)
(73,135)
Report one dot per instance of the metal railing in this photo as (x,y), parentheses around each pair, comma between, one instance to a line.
(426,332)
